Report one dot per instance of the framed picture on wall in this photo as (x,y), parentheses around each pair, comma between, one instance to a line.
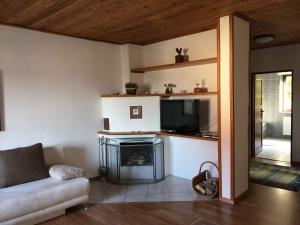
(136,112)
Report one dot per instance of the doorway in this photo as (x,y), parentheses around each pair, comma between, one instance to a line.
(272,116)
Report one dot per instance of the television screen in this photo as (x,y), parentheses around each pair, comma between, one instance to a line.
(183,116)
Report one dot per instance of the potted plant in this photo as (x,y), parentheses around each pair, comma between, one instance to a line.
(131,88)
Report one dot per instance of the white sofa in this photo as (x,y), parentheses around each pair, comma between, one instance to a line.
(38,201)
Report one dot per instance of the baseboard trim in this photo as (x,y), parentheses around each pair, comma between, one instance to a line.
(94,178)
(237,199)
(227,200)
(295,164)
(241,196)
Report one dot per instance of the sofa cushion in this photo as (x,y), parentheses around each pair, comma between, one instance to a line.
(22,165)
(23,199)
(63,172)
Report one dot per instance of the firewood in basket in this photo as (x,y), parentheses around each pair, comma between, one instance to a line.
(209,191)
(199,188)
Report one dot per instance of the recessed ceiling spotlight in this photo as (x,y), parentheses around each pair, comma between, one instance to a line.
(263,39)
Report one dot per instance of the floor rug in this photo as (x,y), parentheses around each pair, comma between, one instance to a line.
(275,176)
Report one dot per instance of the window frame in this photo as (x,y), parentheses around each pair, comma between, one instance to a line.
(283,93)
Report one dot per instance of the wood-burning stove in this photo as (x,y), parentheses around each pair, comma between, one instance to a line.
(138,160)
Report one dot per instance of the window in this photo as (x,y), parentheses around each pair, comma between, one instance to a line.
(285,92)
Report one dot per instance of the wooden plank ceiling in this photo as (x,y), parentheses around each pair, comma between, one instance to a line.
(148,21)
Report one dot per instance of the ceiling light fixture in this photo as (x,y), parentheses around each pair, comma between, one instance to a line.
(263,39)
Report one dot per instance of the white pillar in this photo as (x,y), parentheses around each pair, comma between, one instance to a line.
(233,37)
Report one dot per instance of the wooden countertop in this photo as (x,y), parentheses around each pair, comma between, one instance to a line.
(161,95)
(126,133)
(162,133)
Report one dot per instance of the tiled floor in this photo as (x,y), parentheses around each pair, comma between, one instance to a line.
(171,189)
(276,149)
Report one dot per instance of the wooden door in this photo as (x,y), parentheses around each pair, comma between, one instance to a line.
(258,114)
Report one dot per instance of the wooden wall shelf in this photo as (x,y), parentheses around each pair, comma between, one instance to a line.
(188,94)
(175,65)
(163,95)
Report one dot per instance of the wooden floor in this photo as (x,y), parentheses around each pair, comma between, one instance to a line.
(263,206)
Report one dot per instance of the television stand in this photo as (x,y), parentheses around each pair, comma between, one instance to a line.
(171,131)
(186,132)
(181,132)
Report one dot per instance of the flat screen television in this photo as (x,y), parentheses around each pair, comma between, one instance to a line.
(186,116)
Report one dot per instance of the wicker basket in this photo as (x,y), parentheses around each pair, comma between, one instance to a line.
(204,184)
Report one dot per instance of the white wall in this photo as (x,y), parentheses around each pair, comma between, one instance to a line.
(234,97)
(277,59)
(125,67)
(135,60)
(51,91)
(183,155)
(118,112)
(225,90)
(132,57)
(200,45)
(186,156)
(241,104)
